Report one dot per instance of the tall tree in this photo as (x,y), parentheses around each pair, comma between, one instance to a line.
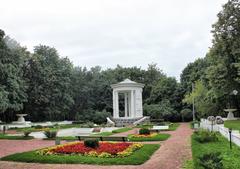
(224,56)
(12,85)
(49,80)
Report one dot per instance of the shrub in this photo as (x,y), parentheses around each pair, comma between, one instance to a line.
(203,136)
(93,143)
(144,131)
(88,124)
(78,122)
(38,127)
(186,114)
(211,160)
(26,133)
(50,133)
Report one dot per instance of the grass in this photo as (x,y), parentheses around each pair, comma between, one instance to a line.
(121,130)
(4,136)
(234,124)
(62,138)
(172,126)
(158,137)
(188,164)
(137,158)
(103,134)
(231,158)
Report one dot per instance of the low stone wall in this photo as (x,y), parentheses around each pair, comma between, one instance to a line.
(205,124)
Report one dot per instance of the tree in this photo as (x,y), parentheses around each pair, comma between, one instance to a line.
(49,80)
(12,84)
(193,72)
(224,56)
(205,104)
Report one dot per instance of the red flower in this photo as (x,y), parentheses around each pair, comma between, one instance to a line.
(111,148)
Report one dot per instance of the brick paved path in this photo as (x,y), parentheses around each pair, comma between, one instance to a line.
(171,154)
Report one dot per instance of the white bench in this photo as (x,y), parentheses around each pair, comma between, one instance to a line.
(160,127)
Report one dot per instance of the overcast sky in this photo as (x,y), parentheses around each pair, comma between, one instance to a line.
(171,33)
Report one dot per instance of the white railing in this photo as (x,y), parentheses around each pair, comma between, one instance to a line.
(205,124)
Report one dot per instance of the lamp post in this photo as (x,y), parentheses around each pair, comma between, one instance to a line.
(230,137)
(193,106)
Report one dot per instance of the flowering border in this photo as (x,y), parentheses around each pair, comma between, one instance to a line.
(144,135)
(127,152)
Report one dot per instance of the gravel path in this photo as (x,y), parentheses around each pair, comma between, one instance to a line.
(171,154)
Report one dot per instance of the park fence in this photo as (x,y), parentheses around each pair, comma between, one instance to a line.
(208,125)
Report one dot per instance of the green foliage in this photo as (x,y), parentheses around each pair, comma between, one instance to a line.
(186,114)
(50,133)
(101,117)
(12,83)
(38,127)
(211,161)
(92,143)
(144,131)
(163,110)
(202,97)
(204,136)
(26,133)
(230,156)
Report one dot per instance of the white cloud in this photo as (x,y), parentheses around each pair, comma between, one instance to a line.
(109,32)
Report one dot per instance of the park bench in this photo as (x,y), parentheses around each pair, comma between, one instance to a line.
(159,128)
(103,138)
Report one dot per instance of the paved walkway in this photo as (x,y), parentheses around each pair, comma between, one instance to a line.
(171,154)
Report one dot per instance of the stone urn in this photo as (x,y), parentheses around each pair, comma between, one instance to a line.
(230,115)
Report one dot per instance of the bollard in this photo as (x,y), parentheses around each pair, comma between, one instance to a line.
(4,129)
(230,138)
(57,141)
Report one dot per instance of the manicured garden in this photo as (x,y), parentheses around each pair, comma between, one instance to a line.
(102,155)
(213,150)
(9,137)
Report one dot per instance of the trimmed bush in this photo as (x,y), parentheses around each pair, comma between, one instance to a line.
(26,133)
(211,160)
(50,133)
(93,143)
(144,131)
(203,136)
(38,127)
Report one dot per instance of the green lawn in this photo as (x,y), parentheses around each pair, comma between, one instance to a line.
(63,138)
(137,158)
(4,136)
(231,158)
(172,126)
(158,137)
(234,124)
(121,130)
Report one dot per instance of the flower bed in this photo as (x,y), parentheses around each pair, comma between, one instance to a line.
(144,135)
(105,149)
(149,137)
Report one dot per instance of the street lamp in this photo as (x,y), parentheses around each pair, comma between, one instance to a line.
(193,106)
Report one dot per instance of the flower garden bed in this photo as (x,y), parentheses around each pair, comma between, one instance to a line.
(149,137)
(105,149)
(137,157)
